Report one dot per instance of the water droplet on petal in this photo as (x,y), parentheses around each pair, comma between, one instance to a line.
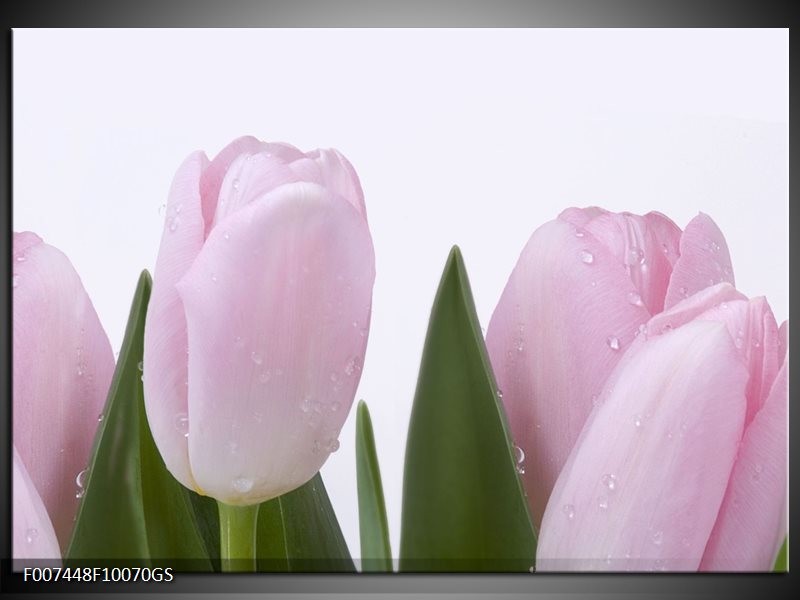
(172,223)
(242,484)
(265,376)
(683,291)
(15,281)
(594,399)
(637,420)
(353,366)
(140,365)
(738,342)
(602,502)
(226,235)
(80,481)
(519,454)
(569,510)
(256,358)
(335,406)
(233,447)
(610,481)
(31,535)
(636,256)
(334,377)
(587,257)
(21,258)
(635,299)
(100,417)
(579,233)
(214,277)
(613,342)
(500,394)
(161,209)
(182,423)
(235,184)
(658,537)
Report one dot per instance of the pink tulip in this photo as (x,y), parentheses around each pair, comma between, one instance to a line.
(62,371)
(583,286)
(258,320)
(682,464)
(34,536)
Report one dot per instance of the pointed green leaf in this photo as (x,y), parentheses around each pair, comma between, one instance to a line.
(376,553)
(464,508)
(298,532)
(133,509)
(782,561)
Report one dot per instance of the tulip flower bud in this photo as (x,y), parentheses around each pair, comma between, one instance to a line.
(258,320)
(582,289)
(63,366)
(682,465)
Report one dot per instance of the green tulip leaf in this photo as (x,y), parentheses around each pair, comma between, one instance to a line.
(782,561)
(376,553)
(464,508)
(298,532)
(133,511)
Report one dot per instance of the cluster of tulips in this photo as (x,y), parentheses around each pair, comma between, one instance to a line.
(647,394)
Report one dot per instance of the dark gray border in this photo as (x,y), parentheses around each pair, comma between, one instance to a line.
(352,13)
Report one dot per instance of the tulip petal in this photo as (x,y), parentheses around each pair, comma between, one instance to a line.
(333,171)
(636,247)
(214,173)
(34,536)
(165,341)
(643,484)
(704,260)
(667,234)
(752,521)
(277,317)
(581,216)
(565,311)
(250,176)
(63,365)
(783,340)
(690,308)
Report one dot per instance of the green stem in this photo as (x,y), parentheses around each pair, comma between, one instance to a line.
(237,537)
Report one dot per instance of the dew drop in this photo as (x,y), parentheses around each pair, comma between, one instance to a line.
(637,420)
(80,481)
(602,502)
(173,223)
(667,327)
(233,447)
(569,510)
(353,366)
(100,417)
(31,535)
(613,342)
(265,376)
(665,248)
(256,358)
(242,484)
(531,569)
(335,406)
(15,281)
(587,257)
(236,184)
(658,537)
(21,258)
(500,394)
(635,299)
(738,342)
(182,423)
(161,209)
(594,284)
(226,235)
(81,370)
(334,377)
(579,233)
(683,291)
(140,365)
(636,256)
(519,457)
(595,399)
(214,277)
(238,342)
(610,481)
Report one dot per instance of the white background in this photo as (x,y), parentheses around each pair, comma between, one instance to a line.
(468,137)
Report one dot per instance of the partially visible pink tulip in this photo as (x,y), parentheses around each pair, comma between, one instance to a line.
(682,465)
(582,288)
(258,320)
(34,536)
(63,365)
